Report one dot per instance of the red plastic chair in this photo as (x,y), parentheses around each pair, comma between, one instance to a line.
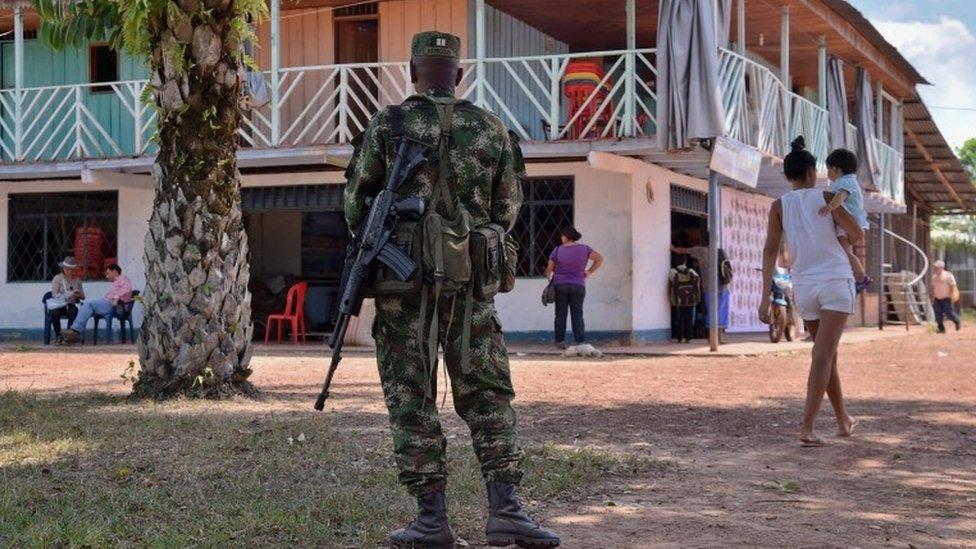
(294,314)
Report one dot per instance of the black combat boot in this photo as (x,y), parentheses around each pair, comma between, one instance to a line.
(430,530)
(508,524)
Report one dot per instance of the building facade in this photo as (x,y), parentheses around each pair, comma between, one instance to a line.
(76,148)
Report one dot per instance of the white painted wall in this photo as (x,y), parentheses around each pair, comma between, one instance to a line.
(22,300)
(602,214)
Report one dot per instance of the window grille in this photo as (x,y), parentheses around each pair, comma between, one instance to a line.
(44,228)
(356,10)
(689,201)
(548,207)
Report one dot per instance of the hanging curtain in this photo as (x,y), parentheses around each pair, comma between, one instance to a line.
(723,22)
(689,101)
(868,166)
(837,112)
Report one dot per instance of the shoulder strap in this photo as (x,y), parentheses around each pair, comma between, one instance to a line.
(442,192)
(396,122)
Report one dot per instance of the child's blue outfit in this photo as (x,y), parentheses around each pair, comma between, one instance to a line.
(854,203)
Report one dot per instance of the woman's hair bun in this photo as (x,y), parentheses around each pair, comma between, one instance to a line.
(798,144)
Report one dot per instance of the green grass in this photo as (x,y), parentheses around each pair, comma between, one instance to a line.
(99,471)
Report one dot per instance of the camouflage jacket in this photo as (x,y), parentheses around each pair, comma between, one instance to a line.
(486,162)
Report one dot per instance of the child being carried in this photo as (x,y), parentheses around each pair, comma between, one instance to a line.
(841,169)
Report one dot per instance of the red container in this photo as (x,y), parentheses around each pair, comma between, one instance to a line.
(89,249)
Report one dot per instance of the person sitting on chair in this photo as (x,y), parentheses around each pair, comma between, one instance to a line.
(119,292)
(66,293)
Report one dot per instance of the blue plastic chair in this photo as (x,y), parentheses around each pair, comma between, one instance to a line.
(49,322)
(123,313)
(47,318)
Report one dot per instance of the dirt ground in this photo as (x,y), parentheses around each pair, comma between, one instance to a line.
(725,427)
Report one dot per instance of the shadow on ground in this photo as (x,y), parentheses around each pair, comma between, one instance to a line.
(96,469)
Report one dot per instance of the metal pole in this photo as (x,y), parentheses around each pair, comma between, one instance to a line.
(915,235)
(18,82)
(630,103)
(714,233)
(740,26)
(784,47)
(822,71)
(881,271)
(275,72)
(879,110)
(479,41)
(554,81)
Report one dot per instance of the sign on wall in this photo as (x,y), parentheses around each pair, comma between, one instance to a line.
(744,218)
(736,160)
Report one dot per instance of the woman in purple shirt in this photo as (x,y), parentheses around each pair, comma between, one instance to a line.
(569,267)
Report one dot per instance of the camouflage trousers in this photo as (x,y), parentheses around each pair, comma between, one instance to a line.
(482,393)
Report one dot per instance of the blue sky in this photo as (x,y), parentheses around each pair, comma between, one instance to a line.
(939,38)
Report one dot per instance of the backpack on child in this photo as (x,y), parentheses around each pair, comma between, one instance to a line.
(685,287)
(725,268)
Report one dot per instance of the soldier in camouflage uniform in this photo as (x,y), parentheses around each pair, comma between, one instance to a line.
(487,169)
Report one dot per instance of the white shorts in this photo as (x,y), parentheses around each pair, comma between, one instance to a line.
(831,295)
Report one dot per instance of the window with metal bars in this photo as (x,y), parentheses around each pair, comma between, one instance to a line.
(548,207)
(356,10)
(44,228)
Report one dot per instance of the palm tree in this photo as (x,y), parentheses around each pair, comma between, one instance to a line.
(195,338)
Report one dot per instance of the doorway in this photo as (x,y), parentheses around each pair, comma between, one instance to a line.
(357,42)
(689,224)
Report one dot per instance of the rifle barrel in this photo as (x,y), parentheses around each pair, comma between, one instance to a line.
(336,358)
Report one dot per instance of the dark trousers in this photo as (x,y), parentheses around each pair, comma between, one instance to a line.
(943,308)
(684,323)
(68,311)
(569,298)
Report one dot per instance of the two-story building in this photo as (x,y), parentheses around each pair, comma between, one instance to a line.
(575,79)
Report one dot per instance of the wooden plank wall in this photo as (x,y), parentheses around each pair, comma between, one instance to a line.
(307,40)
(510,37)
(46,67)
(401,19)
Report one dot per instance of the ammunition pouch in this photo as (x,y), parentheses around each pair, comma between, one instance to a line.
(489,255)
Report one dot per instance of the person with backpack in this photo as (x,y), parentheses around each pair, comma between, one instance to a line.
(725,272)
(684,287)
(471,184)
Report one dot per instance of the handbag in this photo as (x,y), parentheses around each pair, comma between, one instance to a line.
(549,294)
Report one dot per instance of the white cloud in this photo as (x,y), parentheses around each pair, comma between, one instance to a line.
(944,53)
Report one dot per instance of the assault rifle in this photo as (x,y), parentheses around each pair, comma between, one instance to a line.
(374,245)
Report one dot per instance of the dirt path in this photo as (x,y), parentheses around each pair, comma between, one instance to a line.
(724,426)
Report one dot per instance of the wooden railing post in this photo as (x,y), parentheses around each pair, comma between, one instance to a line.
(275,72)
(479,41)
(628,128)
(18,82)
(554,111)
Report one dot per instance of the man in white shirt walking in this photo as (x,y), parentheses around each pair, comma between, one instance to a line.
(943,288)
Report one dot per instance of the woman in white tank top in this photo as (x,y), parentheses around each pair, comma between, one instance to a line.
(822,277)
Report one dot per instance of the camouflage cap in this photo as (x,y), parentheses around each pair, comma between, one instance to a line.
(435,44)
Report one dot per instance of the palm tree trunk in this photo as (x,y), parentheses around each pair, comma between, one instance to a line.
(195,338)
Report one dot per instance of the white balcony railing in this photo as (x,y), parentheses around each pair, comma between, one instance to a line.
(892,181)
(57,123)
(760,111)
(615,97)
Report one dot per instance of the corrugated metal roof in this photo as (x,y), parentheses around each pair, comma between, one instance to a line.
(922,179)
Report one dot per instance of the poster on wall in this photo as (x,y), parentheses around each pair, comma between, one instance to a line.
(744,217)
